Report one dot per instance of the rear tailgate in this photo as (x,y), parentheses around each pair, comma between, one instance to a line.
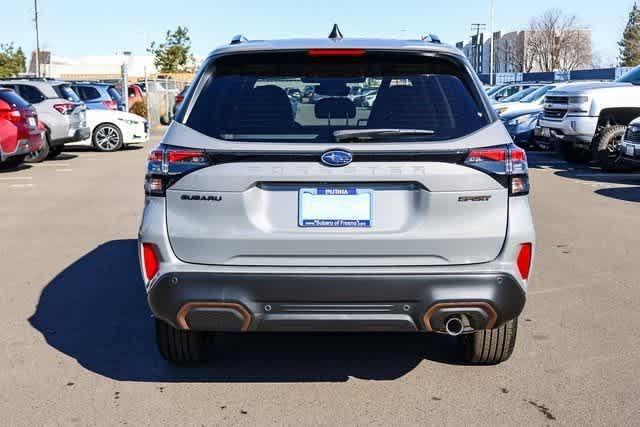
(424,213)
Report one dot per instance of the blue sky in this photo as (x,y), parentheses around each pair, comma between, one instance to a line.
(91,27)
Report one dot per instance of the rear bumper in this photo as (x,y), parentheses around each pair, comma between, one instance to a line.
(25,146)
(74,136)
(630,154)
(332,302)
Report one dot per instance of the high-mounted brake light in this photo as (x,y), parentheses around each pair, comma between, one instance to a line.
(336,52)
(166,165)
(507,164)
(523,260)
(150,261)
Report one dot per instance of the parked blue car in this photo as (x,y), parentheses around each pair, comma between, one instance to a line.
(98,96)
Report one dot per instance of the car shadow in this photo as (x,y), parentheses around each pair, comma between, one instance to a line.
(95,311)
(591,173)
(14,168)
(89,149)
(62,157)
(627,194)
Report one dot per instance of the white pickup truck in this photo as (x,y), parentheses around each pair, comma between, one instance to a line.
(588,120)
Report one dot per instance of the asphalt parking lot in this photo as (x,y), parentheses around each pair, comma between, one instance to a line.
(77,346)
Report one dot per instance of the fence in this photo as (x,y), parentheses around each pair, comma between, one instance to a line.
(160,91)
(594,74)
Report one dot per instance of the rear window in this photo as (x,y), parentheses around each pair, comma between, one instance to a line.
(113,92)
(87,93)
(13,99)
(64,91)
(246,98)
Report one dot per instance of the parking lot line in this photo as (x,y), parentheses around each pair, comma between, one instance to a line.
(10,178)
(22,185)
(64,170)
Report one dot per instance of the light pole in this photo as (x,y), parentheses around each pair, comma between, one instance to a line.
(35,4)
(491,54)
(125,79)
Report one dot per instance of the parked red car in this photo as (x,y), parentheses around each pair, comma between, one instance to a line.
(20,132)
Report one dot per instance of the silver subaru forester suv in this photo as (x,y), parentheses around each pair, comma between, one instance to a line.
(266,215)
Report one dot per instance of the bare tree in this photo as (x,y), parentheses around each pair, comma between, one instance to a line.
(556,42)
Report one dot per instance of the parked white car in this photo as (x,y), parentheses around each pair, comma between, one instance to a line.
(529,101)
(111,129)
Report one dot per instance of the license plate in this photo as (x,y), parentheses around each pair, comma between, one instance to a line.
(335,207)
(546,133)
(31,121)
(629,150)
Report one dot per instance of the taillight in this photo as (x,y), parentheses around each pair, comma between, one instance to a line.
(507,164)
(14,116)
(110,104)
(65,108)
(150,262)
(167,164)
(179,98)
(523,260)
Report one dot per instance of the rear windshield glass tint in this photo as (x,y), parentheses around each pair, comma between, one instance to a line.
(65,91)
(87,93)
(113,92)
(251,98)
(13,99)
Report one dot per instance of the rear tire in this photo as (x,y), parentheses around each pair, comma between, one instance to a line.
(179,346)
(606,149)
(490,346)
(40,155)
(55,152)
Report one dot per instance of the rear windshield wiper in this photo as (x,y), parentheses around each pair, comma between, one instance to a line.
(370,134)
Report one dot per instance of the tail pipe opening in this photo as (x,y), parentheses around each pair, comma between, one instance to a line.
(459,317)
(454,325)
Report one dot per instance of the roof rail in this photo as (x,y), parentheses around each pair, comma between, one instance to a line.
(237,39)
(42,79)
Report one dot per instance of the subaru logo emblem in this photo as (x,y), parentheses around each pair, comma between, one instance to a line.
(337,158)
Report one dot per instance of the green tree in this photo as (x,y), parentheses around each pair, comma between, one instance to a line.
(174,55)
(12,60)
(630,43)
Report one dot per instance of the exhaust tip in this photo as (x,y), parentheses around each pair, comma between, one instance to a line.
(454,326)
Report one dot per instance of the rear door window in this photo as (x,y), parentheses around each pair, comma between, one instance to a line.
(87,93)
(246,98)
(64,91)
